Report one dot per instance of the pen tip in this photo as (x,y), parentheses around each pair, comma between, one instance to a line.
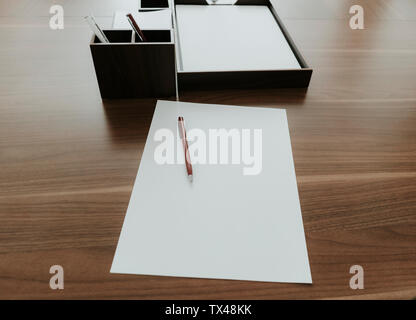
(191,178)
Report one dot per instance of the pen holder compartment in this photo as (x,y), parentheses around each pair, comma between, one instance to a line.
(127,68)
(115,36)
(154,36)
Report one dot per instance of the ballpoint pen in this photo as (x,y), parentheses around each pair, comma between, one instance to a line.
(135,27)
(182,133)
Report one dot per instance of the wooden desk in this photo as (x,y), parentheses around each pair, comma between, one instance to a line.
(68,160)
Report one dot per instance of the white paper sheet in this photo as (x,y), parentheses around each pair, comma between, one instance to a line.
(230,38)
(147,20)
(224,224)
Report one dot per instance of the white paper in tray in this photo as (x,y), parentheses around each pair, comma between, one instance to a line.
(231,38)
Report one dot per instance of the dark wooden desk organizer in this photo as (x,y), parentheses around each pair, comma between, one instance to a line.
(126,68)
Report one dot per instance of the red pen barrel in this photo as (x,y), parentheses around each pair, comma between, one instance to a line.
(185,145)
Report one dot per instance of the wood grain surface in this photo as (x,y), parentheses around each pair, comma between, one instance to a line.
(69,160)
